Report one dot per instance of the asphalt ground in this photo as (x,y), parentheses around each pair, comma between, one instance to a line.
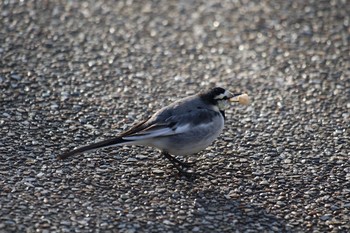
(74,72)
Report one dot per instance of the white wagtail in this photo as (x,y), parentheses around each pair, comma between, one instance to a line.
(182,128)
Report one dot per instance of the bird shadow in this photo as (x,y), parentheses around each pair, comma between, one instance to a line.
(235,213)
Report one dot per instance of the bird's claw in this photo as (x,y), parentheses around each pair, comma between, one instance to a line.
(188,175)
(187,164)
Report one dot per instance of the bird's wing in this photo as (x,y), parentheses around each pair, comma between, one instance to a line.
(136,128)
(175,124)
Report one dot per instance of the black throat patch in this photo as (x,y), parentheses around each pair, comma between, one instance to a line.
(223,113)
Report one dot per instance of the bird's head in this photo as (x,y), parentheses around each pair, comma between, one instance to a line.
(221,98)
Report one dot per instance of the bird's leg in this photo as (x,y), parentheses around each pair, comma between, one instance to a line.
(178,165)
(173,160)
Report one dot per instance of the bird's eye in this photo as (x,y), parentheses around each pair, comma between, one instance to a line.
(224,98)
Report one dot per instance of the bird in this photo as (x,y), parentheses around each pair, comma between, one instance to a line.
(183,128)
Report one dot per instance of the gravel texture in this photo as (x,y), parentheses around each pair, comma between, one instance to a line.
(72,72)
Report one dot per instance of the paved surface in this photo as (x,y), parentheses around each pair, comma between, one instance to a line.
(78,71)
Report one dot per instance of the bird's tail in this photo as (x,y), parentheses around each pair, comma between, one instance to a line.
(94,146)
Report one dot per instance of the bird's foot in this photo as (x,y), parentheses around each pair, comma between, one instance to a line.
(187,174)
(177,162)
(187,164)
(180,166)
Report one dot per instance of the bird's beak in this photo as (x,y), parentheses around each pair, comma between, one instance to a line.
(240,98)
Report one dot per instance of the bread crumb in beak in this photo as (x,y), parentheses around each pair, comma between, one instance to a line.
(242,99)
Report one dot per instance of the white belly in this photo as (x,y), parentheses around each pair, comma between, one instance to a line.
(192,141)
